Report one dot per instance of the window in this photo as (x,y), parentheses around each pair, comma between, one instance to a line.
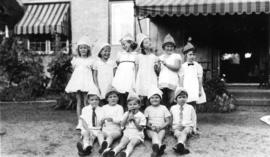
(122,20)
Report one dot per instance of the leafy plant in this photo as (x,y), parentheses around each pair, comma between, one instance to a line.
(218,97)
(23,71)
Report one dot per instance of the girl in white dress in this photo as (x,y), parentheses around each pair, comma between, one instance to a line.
(104,70)
(81,81)
(191,75)
(147,61)
(170,65)
(124,79)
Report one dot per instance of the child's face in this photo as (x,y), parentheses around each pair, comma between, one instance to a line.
(169,48)
(105,53)
(147,43)
(181,99)
(93,100)
(155,100)
(133,105)
(83,49)
(112,99)
(191,56)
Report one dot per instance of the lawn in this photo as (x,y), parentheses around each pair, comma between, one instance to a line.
(38,130)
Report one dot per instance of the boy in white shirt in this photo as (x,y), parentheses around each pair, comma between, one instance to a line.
(91,124)
(184,120)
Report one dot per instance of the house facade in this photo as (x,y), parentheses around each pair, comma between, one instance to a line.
(231,37)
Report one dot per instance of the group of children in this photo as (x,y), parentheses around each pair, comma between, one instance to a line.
(135,81)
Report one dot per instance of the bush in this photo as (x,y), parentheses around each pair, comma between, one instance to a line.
(23,71)
(60,69)
(218,97)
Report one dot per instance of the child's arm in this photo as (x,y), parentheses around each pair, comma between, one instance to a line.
(175,66)
(166,124)
(124,120)
(95,79)
(200,78)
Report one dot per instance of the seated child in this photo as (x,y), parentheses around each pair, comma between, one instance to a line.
(158,118)
(134,121)
(90,128)
(184,120)
(112,116)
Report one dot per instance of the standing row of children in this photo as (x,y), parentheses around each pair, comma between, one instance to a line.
(110,83)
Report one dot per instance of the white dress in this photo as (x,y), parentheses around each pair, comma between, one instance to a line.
(168,78)
(146,76)
(81,78)
(105,74)
(191,75)
(124,79)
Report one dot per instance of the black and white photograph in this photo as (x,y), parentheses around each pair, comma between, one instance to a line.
(133,78)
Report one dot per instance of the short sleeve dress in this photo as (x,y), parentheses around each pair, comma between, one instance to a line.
(81,78)
(168,78)
(105,74)
(190,75)
(146,76)
(124,79)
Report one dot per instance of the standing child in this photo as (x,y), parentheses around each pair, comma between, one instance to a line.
(191,76)
(81,81)
(184,120)
(134,122)
(112,116)
(91,124)
(147,61)
(104,70)
(124,80)
(158,119)
(168,77)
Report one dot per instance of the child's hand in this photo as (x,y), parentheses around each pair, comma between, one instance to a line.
(109,119)
(131,117)
(158,129)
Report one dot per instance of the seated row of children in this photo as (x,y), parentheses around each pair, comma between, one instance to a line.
(109,122)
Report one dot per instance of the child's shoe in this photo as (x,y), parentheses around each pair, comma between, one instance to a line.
(161,149)
(103,146)
(108,153)
(155,149)
(122,154)
(80,149)
(179,148)
(88,150)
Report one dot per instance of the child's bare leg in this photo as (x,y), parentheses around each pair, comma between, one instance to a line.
(86,136)
(84,98)
(131,145)
(123,143)
(79,103)
(161,135)
(154,136)
(112,137)
(100,137)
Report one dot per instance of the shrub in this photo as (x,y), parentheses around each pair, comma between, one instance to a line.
(218,97)
(23,71)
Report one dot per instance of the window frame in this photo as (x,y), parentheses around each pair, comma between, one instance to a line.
(110,20)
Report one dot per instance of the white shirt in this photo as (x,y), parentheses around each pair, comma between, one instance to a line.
(189,116)
(115,112)
(156,114)
(139,118)
(87,116)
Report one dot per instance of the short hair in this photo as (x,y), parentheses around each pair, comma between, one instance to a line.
(110,93)
(88,51)
(134,98)
(133,44)
(99,53)
(168,43)
(182,93)
(91,95)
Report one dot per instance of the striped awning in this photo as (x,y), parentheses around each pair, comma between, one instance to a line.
(154,8)
(45,18)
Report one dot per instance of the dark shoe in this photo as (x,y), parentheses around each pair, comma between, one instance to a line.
(88,150)
(185,151)
(80,149)
(161,149)
(122,154)
(179,148)
(109,153)
(155,149)
(104,145)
